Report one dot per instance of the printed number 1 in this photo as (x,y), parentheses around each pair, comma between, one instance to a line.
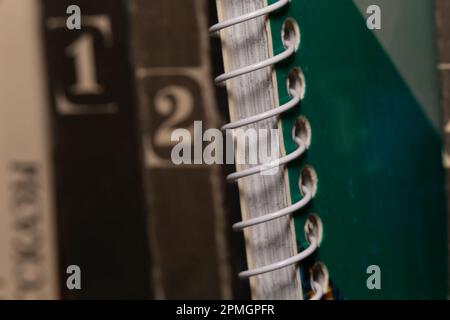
(82,50)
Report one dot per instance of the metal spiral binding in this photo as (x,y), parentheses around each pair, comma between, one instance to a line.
(312,237)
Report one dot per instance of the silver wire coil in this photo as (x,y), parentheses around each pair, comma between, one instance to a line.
(249,16)
(313,240)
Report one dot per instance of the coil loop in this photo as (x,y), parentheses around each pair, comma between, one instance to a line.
(278,214)
(313,235)
(314,244)
(249,16)
(290,50)
(301,147)
(296,98)
(313,231)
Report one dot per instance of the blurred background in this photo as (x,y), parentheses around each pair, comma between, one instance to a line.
(87,183)
(91,205)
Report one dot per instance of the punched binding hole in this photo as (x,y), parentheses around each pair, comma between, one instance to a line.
(290,34)
(313,229)
(319,280)
(309,179)
(302,131)
(296,83)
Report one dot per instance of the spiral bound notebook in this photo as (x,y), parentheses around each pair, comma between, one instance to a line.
(357,208)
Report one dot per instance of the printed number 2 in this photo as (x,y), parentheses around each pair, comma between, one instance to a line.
(180,102)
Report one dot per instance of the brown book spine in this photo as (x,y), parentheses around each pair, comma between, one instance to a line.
(187,219)
(100,198)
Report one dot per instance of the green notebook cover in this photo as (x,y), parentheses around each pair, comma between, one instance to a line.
(372,102)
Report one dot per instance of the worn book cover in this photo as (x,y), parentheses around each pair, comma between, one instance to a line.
(28,248)
(101,213)
(186,202)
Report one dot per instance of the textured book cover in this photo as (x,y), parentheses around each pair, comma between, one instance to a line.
(170,45)
(28,258)
(100,200)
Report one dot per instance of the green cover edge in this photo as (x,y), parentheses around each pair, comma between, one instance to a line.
(377,157)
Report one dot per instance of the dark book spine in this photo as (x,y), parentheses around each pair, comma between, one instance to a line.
(170,45)
(101,212)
